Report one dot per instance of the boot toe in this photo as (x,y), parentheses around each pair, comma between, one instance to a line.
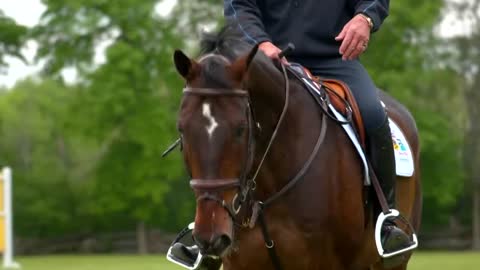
(395,239)
(186,254)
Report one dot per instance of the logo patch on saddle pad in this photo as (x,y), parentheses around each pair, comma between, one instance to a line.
(403,154)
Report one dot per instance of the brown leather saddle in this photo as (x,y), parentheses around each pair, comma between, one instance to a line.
(343,91)
(339,92)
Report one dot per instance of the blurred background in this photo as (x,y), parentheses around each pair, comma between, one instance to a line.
(88,102)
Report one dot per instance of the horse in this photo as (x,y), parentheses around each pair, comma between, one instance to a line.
(277,183)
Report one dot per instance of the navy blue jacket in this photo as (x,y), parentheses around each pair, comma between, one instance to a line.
(311,25)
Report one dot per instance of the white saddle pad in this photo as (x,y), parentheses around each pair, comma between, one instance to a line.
(403,155)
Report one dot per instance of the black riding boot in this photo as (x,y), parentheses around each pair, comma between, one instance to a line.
(383,162)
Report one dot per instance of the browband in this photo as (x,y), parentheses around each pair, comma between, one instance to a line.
(215,92)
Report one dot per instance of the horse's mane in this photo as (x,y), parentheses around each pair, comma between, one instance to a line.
(229,42)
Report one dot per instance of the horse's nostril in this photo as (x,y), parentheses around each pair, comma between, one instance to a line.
(221,244)
(202,244)
(215,247)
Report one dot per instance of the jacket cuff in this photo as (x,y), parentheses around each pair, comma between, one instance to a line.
(376,10)
(375,19)
(263,39)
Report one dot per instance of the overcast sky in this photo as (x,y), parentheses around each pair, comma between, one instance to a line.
(28,12)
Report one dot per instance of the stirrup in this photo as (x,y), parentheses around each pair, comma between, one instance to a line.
(395,214)
(178,261)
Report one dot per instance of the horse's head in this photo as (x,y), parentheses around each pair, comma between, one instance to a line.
(215,123)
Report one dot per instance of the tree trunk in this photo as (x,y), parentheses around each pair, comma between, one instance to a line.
(142,241)
(476,218)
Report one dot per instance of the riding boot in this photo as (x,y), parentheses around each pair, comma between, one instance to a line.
(383,162)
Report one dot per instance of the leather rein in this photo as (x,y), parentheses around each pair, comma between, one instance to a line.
(209,188)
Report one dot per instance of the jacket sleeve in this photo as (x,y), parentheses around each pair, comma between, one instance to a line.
(246,15)
(377,10)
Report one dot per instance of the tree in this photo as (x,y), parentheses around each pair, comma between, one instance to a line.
(468,66)
(45,157)
(129,103)
(11,39)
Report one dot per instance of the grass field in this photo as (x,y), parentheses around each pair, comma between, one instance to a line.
(421,261)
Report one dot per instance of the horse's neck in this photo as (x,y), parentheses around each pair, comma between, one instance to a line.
(317,205)
(298,131)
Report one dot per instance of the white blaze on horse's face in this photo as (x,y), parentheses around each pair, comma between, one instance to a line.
(212,122)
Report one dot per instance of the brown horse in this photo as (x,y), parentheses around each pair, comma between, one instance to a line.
(238,152)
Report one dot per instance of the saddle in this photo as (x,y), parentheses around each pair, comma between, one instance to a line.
(339,94)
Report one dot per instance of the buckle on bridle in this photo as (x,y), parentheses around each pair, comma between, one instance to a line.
(236,200)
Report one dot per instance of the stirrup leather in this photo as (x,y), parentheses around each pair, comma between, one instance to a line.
(394,214)
(178,261)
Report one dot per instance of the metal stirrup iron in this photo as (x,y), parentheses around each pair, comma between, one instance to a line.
(178,261)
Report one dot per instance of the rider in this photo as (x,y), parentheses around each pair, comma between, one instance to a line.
(329,36)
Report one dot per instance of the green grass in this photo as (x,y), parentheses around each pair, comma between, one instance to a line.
(445,261)
(420,261)
(100,262)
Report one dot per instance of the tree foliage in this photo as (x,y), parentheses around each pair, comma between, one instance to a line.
(129,102)
(44,156)
(466,59)
(12,37)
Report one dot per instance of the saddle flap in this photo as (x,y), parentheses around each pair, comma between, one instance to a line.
(338,90)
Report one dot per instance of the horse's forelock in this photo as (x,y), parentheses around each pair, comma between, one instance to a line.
(214,71)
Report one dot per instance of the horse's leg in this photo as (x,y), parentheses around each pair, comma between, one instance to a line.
(400,267)
(379,266)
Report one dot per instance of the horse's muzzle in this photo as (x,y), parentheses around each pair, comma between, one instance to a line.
(214,247)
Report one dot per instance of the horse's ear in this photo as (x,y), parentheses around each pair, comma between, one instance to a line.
(187,67)
(240,66)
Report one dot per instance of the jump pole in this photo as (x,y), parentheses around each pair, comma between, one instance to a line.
(6,215)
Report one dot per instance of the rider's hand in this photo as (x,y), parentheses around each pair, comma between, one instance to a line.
(354,36)
(271,51)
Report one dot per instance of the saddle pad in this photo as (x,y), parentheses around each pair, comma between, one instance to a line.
(404,165)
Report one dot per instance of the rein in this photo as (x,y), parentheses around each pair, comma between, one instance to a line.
(209,187)
(259,206)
